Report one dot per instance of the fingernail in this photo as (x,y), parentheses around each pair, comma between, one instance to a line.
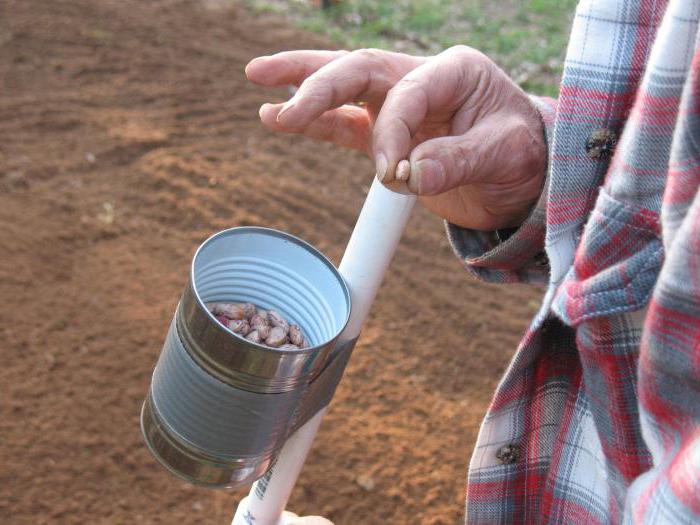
(427,177)
(289,105)
(403,170)
(381,165)
(262,109)
(252,62)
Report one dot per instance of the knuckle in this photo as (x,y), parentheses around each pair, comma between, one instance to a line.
(460,49)
(464,52)
(408,83)
(470,56)
(315,86)
(369,54)
(409,91)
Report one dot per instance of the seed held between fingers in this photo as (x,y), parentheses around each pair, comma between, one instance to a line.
(403,170)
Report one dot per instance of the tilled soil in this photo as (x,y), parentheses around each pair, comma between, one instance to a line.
(128,134)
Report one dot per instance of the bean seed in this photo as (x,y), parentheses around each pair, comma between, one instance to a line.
(295,336)
(249,310)
(230,310)
(264,331)
(277,320)
(277,337)
(254,337)
(239,326)
(258,320)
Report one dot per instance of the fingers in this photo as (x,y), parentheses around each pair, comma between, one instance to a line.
(364,75)
(434,90)
(290,518)
(404,109)
(347,126)
(329,81)
(309,520)
(288,67)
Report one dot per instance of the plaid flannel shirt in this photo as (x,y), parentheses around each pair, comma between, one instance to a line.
(597,419)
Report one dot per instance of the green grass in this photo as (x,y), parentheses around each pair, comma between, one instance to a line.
(527,38)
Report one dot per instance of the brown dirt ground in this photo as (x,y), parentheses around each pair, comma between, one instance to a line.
(95,250)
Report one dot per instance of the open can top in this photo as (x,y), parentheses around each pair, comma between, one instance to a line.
(273,270)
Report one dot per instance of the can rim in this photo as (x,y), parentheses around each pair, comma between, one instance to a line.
(289,237)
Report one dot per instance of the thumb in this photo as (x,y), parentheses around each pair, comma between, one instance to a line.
(492,148)
(441,164)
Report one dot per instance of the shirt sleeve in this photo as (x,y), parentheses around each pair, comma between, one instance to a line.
(504,256)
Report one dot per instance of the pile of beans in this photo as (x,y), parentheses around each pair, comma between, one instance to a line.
(266,327)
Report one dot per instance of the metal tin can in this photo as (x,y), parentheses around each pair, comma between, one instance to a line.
(220,407)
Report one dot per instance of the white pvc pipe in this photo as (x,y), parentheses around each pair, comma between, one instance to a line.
(367,256)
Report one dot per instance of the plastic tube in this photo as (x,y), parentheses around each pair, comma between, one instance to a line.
(366,259)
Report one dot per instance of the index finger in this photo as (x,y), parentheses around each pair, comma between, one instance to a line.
(439,87)
(365,74)
(402,113)
(288,67)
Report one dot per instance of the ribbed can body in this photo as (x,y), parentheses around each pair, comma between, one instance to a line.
(220,407)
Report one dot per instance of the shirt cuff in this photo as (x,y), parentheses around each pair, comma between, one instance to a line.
(547,108)
(519,258)
(507,256)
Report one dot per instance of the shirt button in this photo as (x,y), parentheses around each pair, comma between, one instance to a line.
(601,143)
(541,259)
(508,454)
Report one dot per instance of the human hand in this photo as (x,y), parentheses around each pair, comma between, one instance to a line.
(293,519)
(455,127)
